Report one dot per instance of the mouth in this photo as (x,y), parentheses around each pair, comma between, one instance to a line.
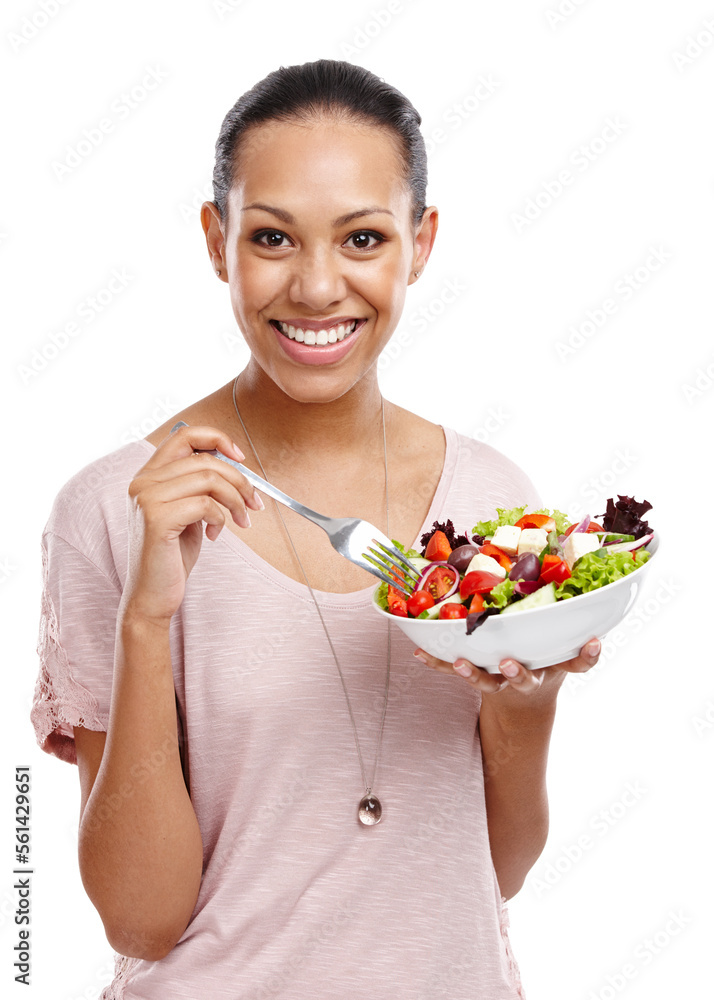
(317,337)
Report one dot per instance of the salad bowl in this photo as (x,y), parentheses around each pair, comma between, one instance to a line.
(537,637)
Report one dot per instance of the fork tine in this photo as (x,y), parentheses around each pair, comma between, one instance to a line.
(383,576)
(377,557)
(396,556)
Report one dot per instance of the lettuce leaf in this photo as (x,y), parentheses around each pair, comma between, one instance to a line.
(593,571)
(504,517)
(500,595)
(381,596)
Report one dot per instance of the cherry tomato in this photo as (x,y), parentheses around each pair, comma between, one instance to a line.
(440,580)
(438,548)
(536,521)
(452,610)
(398,606)
(478,582)
(420,600)
(488,549)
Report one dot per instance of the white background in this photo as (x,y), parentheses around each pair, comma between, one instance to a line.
(609,413)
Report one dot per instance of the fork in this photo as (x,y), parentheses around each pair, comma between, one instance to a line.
(355,539)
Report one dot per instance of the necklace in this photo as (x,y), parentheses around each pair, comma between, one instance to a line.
(369,811)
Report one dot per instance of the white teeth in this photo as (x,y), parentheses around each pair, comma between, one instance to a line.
(318,337)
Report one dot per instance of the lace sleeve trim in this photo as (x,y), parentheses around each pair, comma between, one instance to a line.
(513,969)
(60,702)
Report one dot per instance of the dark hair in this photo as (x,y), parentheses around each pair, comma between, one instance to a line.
(304,92)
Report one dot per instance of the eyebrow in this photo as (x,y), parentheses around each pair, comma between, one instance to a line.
(341,221)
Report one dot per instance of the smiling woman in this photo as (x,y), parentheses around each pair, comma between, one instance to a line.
(257,810)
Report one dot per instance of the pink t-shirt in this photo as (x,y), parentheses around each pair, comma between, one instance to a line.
(297,899)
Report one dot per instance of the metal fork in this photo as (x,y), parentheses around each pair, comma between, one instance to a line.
(355,539)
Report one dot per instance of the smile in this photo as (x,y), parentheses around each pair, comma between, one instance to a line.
(328,335)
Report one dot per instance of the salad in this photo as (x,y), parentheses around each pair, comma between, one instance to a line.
(518,561)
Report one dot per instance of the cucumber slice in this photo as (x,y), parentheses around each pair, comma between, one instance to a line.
(419,563)
(542,597)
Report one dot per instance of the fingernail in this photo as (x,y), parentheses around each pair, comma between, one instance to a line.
(593,647)
(420,656)
(463,668)
(238,452)
(258,501)
(509,668)
(246,518)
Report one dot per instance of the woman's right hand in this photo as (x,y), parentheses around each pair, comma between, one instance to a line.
(169,498)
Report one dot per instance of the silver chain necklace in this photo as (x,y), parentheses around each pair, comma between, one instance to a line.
(369,811)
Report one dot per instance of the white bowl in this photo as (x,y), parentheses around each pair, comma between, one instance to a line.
(537,637)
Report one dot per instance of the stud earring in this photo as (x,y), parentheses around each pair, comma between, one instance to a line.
(417,273)
(218,270)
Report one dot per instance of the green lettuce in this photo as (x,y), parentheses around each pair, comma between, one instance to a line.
(594,570)
(381,596)
(500,595)
(504,517)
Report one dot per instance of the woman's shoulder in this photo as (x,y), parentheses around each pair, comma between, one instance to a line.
(95,495)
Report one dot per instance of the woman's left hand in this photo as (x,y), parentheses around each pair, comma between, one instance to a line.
(515,681)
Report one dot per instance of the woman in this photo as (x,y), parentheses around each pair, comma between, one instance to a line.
(230,706)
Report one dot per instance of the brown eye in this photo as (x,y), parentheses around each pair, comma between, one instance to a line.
(270,238)
(364,240)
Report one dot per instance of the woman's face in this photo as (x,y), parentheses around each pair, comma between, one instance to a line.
(318,250)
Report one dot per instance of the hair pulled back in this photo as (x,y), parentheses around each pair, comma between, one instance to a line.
(306,92)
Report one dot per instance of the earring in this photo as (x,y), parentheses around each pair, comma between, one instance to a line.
(218,270)
(417,273)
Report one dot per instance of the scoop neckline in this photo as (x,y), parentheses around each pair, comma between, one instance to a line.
(350,598)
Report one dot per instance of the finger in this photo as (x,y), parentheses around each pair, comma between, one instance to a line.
(183,442)
(174,517)
(585,660)
(477,677)
(199,461)
(200,483)
(520,677)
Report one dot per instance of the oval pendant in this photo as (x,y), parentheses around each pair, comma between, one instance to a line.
(370,810)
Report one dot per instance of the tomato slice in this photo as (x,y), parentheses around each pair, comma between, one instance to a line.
(420,600)
(452,610)
(536,521)
(488,549)
(398,606)
(554,570)
(438,548)
(478,582)
(477,603)
(440,580)
(592,527)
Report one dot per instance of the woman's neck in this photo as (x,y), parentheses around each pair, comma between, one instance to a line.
(340,431)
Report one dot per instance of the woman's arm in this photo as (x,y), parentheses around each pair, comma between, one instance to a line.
(515,724)
(140,850)
(514,746)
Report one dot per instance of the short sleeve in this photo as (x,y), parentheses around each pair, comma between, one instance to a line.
(76,641)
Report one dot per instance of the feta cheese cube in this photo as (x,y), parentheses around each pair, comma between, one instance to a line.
(506,538)
(486,564)
(532,540)
(577,544)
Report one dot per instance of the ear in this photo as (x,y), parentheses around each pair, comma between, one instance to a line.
(215,239)
(424,240)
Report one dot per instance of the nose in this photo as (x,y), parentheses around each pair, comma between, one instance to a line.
(317,279)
